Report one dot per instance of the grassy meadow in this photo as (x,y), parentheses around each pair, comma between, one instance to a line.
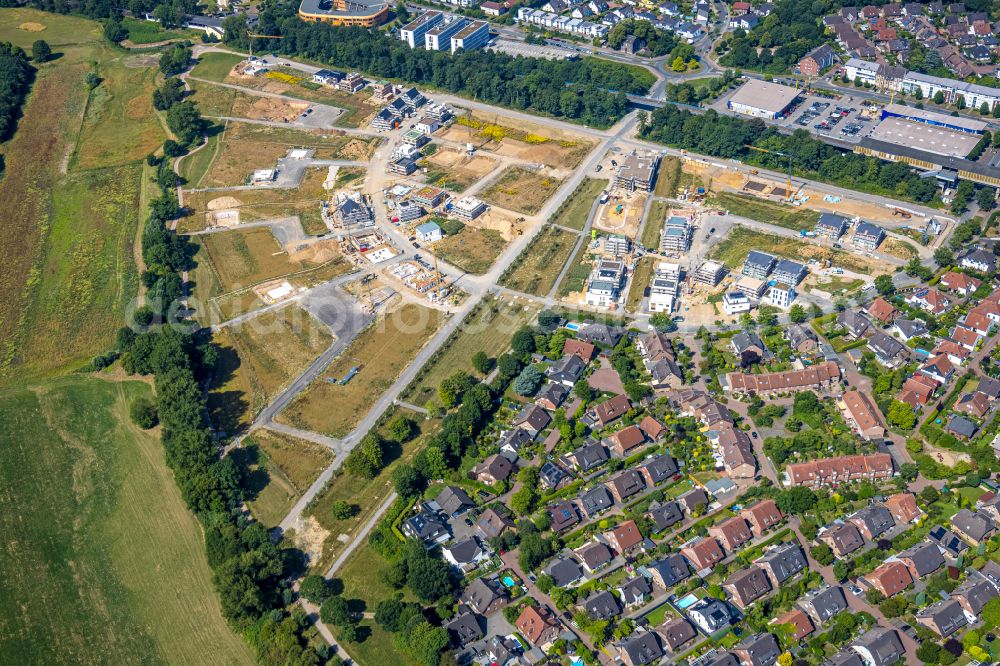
(103,563)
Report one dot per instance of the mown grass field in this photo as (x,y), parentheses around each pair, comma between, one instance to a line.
(651,232)
(103,563)
(762,210)
(472,249)
(668,177)
(215,66)
(381,352)
(366,494)
(243,257)
(285,468)
(640,282)
(579,270)
(487,329)
(70,198)
(260,357)
(149,32)
(536,269)
(732,251)
(574,212)
(521,190)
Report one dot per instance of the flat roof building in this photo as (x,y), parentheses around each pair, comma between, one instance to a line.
(413,32)
(948,121)
(363,13)
(637,172)
(710,273)
(438,38)
(676,236)
(469,208)
(664,289)
(761,99)
(472,36)
(923,136)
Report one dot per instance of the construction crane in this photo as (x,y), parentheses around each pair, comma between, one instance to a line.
(788,187)
(437,274)
(253,35)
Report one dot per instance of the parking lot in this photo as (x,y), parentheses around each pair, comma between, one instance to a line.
(845,118)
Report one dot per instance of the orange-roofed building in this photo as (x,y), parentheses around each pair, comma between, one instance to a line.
(538,625)
(890,578)
(762,516)
(903,507)
(703,553)
(582,350)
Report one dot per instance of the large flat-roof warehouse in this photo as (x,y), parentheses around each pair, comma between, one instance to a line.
(957,123)
(761,99)
(923,136)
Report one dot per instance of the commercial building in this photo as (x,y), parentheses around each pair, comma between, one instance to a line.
(664,289)
(363,13)
(413,32)
(637,172)
(901,80)
(438,38)
(926,137)
(472,36)
(761,99)
(676,236)
(928,117)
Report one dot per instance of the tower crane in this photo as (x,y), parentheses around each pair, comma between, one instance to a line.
(253,35)
(788,187)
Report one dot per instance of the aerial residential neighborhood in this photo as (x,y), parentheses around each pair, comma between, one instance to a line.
(483,333)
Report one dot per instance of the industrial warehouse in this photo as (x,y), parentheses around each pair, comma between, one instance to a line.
(761,99)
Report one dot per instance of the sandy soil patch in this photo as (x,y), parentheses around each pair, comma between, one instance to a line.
(31,26)
(355,149)
(221,203)
(626,221)
(309,536)
(267,108)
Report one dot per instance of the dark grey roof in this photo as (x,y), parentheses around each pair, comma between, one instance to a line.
(642,648)
(677,632)
(425,526)
(453,499)
(853,321)
(479,595)
(693,498)
(845,657)
(748,585)
(554,392)
(665,515)
(974,525)
(567,368)
(911,328)
(876,518)
(672,569)
(882,644)
(976,591)
(961,426)
(869,229)
(743,341)
(563,571)
(563,515)
(715,613)
(789,267)
(464,629)
(846,538)
(596,555)
(602,606)
(597,500)
(515,438)
(824,603)
(635,590)
(948,540)
(602,333)
(885,346)
(925,556)
(591,456)
(762,649)
(947,615)
(834,222)
(989,387)
(464,551)
(714,658)
(784,561)
(760,259)
(661,468)
(533,416)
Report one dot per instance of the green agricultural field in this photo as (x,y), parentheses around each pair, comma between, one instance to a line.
(215,66)
(575,210)
(103,563)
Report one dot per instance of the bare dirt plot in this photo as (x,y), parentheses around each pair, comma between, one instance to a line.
(622,215)
(245,147)
(522,139)
(471,249)
(898,248)
(486,329)
(521,190)
(640,283)
(263,204)
(668,178)
(266,108)
(763,210)
(245,257)
(286,468)
(454,170)
(381,353)
(259,358)
(536,269)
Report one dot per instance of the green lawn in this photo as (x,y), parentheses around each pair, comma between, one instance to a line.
(149,32)
(575,210)
(658,615)
(654,225)
(215,66)
(103,563)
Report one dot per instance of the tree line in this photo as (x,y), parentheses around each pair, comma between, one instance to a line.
(780,40)
(16,75)
(728,137)
(589,90)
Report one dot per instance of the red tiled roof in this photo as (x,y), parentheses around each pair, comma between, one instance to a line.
(840,469)
(778,381)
